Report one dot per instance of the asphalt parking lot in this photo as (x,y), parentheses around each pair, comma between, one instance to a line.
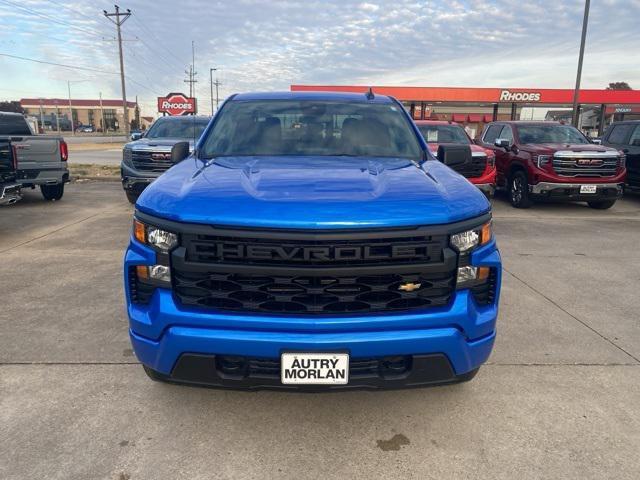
(559,398)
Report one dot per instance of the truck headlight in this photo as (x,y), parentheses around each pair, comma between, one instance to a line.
(466,241)
(127,155)
(469,276)
(160,239)
(542,160)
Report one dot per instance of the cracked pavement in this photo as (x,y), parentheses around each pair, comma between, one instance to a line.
(559,398)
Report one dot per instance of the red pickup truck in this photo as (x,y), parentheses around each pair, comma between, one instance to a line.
(553,161)
(481,171)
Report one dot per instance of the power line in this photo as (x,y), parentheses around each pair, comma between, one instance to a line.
(73,67)
(148,30)
(53,19)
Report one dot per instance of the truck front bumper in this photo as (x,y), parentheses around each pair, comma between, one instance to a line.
(134,181)
(571,191)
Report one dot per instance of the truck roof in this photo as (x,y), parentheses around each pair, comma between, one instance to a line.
(327,96)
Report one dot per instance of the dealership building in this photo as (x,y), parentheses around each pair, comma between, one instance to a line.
(54,112)
(474,107)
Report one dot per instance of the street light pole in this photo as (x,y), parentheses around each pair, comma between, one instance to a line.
(576,92)
(73,130)
(211,70)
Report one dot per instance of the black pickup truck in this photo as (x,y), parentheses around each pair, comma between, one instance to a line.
(9,187)
(625,136)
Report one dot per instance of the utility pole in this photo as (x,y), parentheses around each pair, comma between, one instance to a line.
(73,130)
(120,18)
(103,126)
(217,84)
(585,21)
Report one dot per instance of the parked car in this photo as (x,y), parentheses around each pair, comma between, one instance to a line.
(41,160)
(148,157)
(310,241)
(553,161)
(625,136)
(480,169)
(85,129)
(9,187)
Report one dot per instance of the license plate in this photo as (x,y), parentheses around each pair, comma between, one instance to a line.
(588,189)
(314,368)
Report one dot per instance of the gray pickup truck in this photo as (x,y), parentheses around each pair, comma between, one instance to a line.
(148,156)
(39,160)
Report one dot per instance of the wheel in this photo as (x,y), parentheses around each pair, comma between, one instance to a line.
(132,197)
(519,190)
(602,204)
(52,192)
(154,375)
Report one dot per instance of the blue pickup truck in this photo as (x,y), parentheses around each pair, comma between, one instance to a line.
(312,242)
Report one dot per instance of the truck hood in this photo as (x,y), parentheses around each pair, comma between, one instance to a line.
(433,147)
(312,192)
(550,148)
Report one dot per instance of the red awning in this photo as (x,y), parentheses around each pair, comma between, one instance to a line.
(459,117)
(488,118)
(475,117)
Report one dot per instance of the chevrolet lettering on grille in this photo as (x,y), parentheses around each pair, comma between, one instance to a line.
(286,253)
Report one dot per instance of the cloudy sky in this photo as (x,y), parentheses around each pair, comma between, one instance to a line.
(268,45)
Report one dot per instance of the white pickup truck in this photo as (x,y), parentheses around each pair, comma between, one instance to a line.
(40,160)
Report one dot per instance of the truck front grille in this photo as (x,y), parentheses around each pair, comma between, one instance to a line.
(312,294)
(585,165)
(472,169)
(151,161)
(314,273)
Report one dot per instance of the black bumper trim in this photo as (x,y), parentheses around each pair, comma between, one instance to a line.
(208,371)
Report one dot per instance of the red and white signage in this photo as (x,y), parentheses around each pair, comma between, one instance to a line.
(176,104)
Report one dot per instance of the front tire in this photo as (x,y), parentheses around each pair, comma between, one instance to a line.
(519,190)
(132,197)
(602,204)
(52,192)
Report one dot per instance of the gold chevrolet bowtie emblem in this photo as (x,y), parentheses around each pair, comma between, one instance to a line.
(409,286)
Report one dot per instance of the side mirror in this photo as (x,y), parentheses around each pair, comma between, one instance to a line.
(179,152)
(452,155)
(502,143)
(596,141)
(136,136)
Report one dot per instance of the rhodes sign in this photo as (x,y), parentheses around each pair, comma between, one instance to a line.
(176,104)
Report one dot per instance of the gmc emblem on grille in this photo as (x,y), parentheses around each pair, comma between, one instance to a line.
(161,156)
(234,251)
(589,162)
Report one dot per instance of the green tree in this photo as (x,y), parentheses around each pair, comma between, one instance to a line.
(619,86)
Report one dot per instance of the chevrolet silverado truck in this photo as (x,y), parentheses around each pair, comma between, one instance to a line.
(553,161)
(311,241)
(625,136)
(149,156)
(9,187)
(40,160)
(480,167)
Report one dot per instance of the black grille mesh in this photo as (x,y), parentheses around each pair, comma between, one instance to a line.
(312,294)
(143,161)
(472,169)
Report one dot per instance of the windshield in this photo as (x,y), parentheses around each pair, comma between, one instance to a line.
(186,127)
(550,134)
(311,127)
(444,134)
